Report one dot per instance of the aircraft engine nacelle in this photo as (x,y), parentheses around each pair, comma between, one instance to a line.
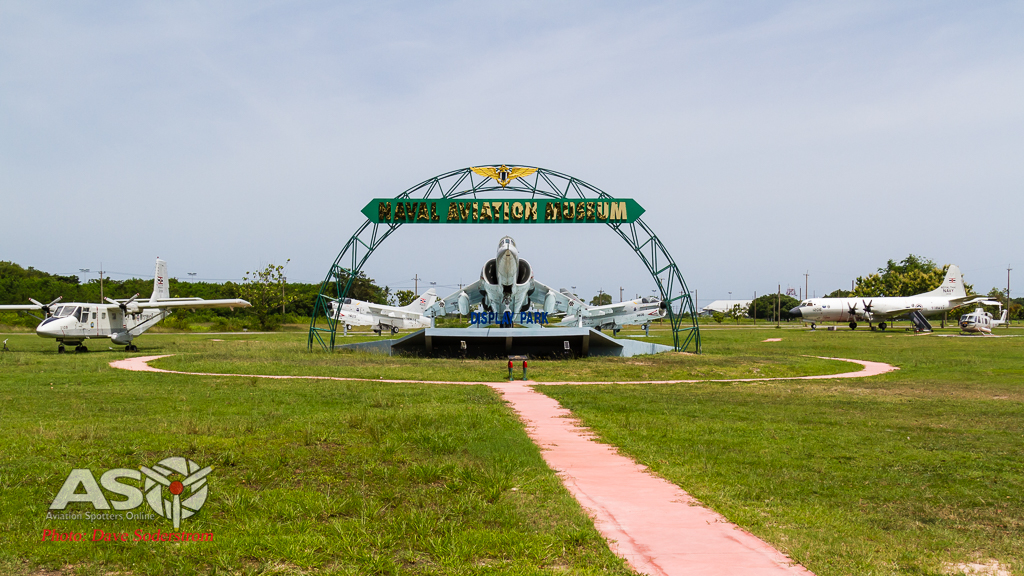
(132,308)
(463,304)
(549,303)
(121,338)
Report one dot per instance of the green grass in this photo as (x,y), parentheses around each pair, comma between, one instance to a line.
(331,477)
(894,474)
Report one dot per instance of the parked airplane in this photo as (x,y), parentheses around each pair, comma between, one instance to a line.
(615,316)
(506,287)
(981,321)
(947,296)
(358,313)
(120,320)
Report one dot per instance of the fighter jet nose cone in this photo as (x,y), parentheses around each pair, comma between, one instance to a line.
(795,311)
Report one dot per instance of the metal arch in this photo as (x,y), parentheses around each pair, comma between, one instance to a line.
(548,183)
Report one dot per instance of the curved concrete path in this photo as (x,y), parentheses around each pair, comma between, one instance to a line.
(651,523)
(141,364)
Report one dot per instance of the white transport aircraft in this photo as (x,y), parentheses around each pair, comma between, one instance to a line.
(946,297)
(382,317)
(506,289)
(981,321)
(615,316)
(72,323)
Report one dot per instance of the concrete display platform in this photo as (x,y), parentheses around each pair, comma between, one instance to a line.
(492,342)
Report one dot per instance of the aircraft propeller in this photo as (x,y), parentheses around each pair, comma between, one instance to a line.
(125,305)
(45,307)
(853,309)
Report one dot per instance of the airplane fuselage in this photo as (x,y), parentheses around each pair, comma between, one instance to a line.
(75,322)
(853,309)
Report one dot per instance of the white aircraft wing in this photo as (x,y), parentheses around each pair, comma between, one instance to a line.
(192,304)
(607,309)
(20,307)
(560,303)
(450,304)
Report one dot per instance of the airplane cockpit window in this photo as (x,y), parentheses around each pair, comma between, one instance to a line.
(76,313)
(348,300)
(56,314)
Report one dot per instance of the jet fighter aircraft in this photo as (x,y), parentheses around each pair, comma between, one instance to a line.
(120,320)
(507,288)
(354,312)
(947,296)
(615,316)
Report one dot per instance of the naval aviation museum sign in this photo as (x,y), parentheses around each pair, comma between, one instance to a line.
(517,211)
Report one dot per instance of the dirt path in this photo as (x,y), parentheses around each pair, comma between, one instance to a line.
(651,523)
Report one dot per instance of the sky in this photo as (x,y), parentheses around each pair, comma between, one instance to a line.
(766,140)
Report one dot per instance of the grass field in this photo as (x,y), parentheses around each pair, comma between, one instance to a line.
(896,474)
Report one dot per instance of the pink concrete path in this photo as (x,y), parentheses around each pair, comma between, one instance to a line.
(653,524)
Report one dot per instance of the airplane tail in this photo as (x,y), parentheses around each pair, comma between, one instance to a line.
(952,285)
(161,287)
(421,304)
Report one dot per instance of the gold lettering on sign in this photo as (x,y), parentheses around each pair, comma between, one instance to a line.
(465,209)
(618,211)
(476,212)
(602,210)
(581,210)
(568,210)
(485,212)
(504,211)
(517,210)
(590,211)
(422,216)
(453,212)
(531,211)
(552,212)
(433,212)
(497,211)
(384,211)
(410,210)
(399,211)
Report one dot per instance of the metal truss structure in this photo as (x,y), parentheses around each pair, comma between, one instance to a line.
(465,183)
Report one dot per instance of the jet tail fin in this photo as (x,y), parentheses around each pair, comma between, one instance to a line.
(952,285)
(420,305)
(161,288)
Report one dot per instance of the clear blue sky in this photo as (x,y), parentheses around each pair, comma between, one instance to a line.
(764,139)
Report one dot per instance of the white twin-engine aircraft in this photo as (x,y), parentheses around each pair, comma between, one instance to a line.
(981,321)
(615,316)
(506,289)
(72,323)
(946,297)
(354,312)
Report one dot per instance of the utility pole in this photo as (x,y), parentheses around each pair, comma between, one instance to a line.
(753,307)
(283,281)
(806,274)
(101,283)
(778,308)
(417,284)
(620,293)
(1008,295)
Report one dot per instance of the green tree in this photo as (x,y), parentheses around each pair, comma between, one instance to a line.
(737,312)
(765,306)
(601,299)
(364,288)
(263,290)
(405,297)
(913,275)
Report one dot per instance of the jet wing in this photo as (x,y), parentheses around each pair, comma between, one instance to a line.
(607,309)
(391,312)
(450,304)
(191,304)
(542,292)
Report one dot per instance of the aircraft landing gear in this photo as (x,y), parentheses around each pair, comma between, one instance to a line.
(882,326)
(394,330)
(60,349)
(80,348)
(615,332)
(131,348)
(812,326)
(853,325)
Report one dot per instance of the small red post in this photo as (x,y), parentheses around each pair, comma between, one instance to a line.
(524,369)
(510,370)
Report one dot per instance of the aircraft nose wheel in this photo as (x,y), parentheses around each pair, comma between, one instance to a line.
(131,348)
(853,325)
(394,330)
(60,349)
(882,326)
(80,349)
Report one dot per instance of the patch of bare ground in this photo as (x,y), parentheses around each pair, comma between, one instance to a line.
(990,568)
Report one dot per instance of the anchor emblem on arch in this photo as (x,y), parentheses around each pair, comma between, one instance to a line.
(503,174)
